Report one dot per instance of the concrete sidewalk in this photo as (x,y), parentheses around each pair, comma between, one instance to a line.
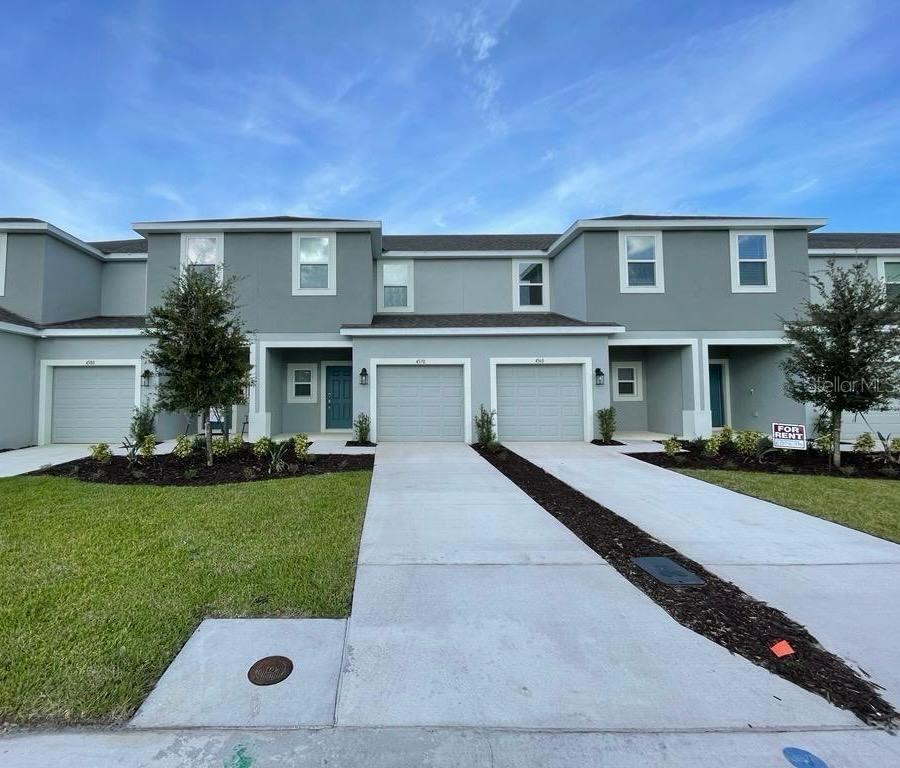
(842,584)
(475,607)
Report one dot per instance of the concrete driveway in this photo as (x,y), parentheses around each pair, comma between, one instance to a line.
(474,607)
(842,584)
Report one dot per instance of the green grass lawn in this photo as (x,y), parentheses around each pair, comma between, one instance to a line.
(868,505)
(102,584)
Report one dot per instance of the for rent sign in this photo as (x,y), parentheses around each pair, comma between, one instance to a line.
(789,436)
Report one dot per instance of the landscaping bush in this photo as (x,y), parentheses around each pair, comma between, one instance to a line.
(747,443)
(101,453)
(262,447)
(865,443)
(726,435)
(147,446)
(606,423)
(184,446)
(131,450)
(711,446)
(361,428)
(220,446)
(277,462)
(672,446)
(484,425)
(235,444)
(894,445)
(696,446)
(301,446)
(142,422)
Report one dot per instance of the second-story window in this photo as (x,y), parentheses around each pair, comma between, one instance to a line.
(752,262)
(889,271)
(202,251)
(314,264)
(531,285)
(641,262)
(395,286)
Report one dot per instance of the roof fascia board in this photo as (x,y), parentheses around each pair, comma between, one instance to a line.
(125,257)
(487,254)
(562,330)
(853,251)
(144,227)
(22,330)
(43,227)
(60,332)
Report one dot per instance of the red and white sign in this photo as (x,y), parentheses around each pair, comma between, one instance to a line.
(792,436)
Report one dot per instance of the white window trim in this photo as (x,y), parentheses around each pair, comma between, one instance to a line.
(881,262)
(219,237)
(296,290)
(638,380)
(659,270)
(544,306)
(3,241)
(736,286)
(410,293)
(313,369)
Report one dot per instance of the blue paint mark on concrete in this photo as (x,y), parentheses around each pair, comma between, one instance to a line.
(800,758)
(239,758)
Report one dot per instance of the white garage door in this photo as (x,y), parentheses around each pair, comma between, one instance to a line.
(420,402)
(540,402)
(91,404)
(886,422)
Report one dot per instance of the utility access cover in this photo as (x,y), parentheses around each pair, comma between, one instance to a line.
(270,670)
(666,570)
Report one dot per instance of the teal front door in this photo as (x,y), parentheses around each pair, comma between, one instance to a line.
(338,397)
(717,394)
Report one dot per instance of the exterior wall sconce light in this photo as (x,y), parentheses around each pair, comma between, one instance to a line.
(599,377)
(145,377)
(363,377)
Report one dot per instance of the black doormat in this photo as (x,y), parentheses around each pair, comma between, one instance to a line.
(717,609)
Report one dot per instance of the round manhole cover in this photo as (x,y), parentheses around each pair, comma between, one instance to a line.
(270,670)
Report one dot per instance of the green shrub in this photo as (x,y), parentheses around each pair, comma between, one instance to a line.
(131,450)
(277,462)
(101,453)
(672,446)
(198,443)
(184,446)
(361,428)
(747,442)
(301,446)
(712,446)
(894,445)
(865,443)
(220,446)
(235,444)
(606,423)
(262,447)
(148,446)
(484,426)
(142,423)
(726,435)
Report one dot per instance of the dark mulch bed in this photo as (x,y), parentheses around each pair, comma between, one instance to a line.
(606,442)
(784,461)
(360,444)
(718,610)
(238,467)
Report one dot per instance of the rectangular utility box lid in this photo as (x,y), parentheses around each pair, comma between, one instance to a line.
(666,570)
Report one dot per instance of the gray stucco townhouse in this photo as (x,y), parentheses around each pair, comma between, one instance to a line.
(676,321)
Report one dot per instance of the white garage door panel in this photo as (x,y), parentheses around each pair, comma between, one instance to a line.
(886,422)
(91,404)
(420,402)
(540,402)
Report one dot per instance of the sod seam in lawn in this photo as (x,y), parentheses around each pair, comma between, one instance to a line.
(103,584)
(868,505)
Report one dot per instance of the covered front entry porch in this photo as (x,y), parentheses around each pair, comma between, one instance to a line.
(302,386)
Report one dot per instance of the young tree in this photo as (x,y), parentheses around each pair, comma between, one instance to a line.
(846,347)
(200,350)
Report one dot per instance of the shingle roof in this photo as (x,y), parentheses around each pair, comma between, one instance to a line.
(11,317)
(22,219)
(654,216)
(135,245)
(494,320)
(252,218)
(106,321)
(467,242)
(855,240)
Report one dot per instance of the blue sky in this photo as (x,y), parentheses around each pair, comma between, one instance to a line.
(449,117)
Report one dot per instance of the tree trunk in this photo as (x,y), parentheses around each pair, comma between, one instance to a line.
(836,438)
(209,454)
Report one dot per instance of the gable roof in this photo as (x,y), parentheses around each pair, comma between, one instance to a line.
(868,240)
